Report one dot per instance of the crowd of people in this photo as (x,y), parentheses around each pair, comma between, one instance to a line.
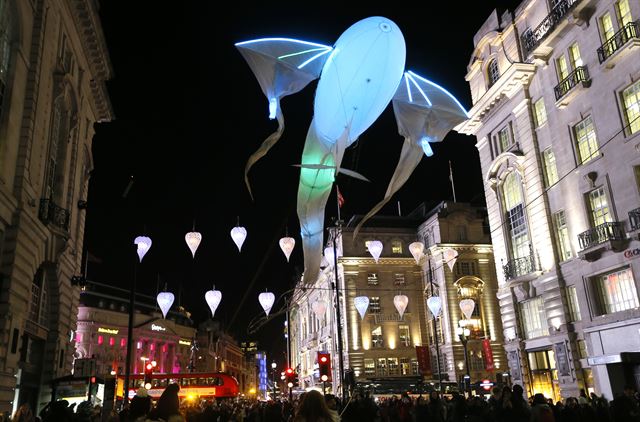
(504,405)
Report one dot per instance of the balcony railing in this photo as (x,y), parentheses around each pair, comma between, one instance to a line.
(50,213)
(579,75)
(620,38)
(634,219)
(531,39)
(518,267)
(600,234)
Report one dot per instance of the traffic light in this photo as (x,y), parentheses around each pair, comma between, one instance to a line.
(289,376)
(148,371)
(324,366)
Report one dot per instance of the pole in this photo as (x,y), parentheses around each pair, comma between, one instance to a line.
(435,331)
(338,319)
(287,302)
(467,377)
(132,303)
(273,376)
(453,187)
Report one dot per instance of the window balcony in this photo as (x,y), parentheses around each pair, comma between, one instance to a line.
(519,267)
(50,213)
(533,38)
(605,236)
(629,36)
(634,220)
(580,76)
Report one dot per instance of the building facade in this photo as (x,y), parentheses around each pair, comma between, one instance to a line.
(470,275)
(53,66)
(103,318)
(556,98)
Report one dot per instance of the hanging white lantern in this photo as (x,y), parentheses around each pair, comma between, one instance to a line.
(450,256)
(165,300)
(287,244)
(467,306)
(193,240)
(435,305)
(401,302)
(144,244)
(213,298)
(361,303)
(319,308)
(417,250)
(375,249)
(238,234)
(266,299)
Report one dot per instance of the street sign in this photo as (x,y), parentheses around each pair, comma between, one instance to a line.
(84,368)
(486,385)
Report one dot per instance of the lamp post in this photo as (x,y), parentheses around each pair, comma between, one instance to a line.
(273,376)
(463,334)
(435,310)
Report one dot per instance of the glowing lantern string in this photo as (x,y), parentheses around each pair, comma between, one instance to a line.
(417,250)
(144,244)
(165,300)
(266,300)
(361,303)
(450,256)
(467,306)
(435,305)
(401,302)
(213,298)
(193,240)
(287,244)
(238,234)
(375,249)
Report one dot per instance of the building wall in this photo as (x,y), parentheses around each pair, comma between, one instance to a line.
(57,60)
(581,346)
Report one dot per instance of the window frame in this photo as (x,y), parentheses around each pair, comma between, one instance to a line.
(549,162)
(493,72)
(629,128)
(536,113)
(579,140)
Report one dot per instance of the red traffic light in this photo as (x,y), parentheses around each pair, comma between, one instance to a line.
(323,359)
(149,367)
(324,366)
(289,371)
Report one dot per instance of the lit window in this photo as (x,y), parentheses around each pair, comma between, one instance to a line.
(139,345)
(415,369)
(476,360)
(574,56)
(504,140)
(515,217)
(550,169)
(599,207)
(405,339)
(534,318)
(396,247)
(372,279)
(574,307)
(562,68)
(78,337)
(465,268)
(100,340)
(616,292)
(123,342)
(623,12)
(376,338)
(586,140)
(398,279)
(493,72)
(405,367)
(369,367)
(382,366)
(540,112)
(374,304)
(607,31)
(631,100)
(112,341)
(562,235)
(392,364)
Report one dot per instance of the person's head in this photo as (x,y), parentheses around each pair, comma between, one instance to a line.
(313,407)
(571,402)
(330,399)
(433,396)
(496,392)
(539,398)
(517,391)
(629,390)
(140,404)
(168,403)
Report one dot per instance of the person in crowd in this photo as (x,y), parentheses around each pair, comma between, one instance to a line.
(625,407)
(168,407)
(24,414)
(313,408)
(140,406)
(540,409)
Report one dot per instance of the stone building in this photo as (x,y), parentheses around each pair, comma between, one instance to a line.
(556,98)
(53,68)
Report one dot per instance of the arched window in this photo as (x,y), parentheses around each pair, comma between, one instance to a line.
(514,215)
(6,26)
(493,72)
(58,137)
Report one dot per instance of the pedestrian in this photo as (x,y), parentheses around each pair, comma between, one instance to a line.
(168,407)
(313,408)
(540,409)
(140,406)
(23,414)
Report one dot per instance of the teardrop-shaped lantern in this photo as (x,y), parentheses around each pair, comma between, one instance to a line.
(450,256)
(266,299)
(361,303)
(144,244)
(287,244)
(213,298)
(401,302)
(319,308)
(375,249)
(328,255)
(467,306)
(165,300)
(238,234)
(435,305)
(193,240)
(417,250)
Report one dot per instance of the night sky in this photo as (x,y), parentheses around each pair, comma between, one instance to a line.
(189,112)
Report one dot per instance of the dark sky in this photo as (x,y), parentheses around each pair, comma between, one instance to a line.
(189,112)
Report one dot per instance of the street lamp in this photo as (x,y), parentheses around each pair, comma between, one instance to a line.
(463,334)
(273,376)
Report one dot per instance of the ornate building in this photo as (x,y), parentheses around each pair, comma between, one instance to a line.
(53,66)
(556,99)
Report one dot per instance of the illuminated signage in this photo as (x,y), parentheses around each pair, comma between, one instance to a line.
(155,327)
(184,342)
(632,253)
(108,330)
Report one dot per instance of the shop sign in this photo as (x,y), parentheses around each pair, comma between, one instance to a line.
(155,327)
(562,361)
(486,385)
(108,330)
(631,253)
(424,361)
(70,389)
(184,342)
(488,354)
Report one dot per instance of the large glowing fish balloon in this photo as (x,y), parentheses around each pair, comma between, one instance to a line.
(359,76)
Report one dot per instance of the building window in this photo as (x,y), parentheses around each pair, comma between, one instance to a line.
(476,361)
(398,279)
(534,318)
(550,169)
(392,364)
(39,300)
(462,233)
(616,292)
(518,234)
(540,113)
(374,304)
(405,338)
(572,301)
(382,366)
(607,31)
(599,207)
(623,12)
(372,279)
(631,100)
(586,140)
(465,268)
(396,247)
(369,367)
(562,68)
(415,369)
(493,72)
(504,139)
(574,56)
(405,366)
(562,235)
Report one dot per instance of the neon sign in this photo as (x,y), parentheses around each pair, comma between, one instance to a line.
(155,327)
(108,330)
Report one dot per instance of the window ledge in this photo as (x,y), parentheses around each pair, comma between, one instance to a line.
(594,252)
(630,47)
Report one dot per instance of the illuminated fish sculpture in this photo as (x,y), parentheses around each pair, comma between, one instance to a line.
(359,76)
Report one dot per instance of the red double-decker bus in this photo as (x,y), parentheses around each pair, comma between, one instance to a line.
(196,385)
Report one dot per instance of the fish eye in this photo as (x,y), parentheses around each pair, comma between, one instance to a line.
(385,27)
